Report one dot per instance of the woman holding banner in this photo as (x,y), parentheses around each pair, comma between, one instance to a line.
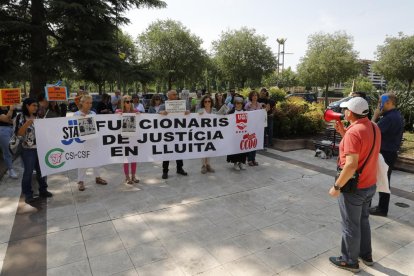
(239,159)
(26,129)
(253,104)
(85,105)
(128,107)
(206,104)
(155,104)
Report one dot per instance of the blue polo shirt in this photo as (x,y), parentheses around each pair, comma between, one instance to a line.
(392,127)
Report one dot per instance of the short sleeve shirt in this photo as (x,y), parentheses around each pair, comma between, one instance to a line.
(358,139)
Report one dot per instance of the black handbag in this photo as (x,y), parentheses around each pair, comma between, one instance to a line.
(351,185)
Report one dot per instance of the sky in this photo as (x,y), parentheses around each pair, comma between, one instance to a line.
(369,22)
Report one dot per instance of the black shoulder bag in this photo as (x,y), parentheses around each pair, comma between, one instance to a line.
(352,185)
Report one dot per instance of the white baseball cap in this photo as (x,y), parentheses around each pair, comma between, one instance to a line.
(357,105)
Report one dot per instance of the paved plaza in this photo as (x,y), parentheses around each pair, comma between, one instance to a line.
(274,219)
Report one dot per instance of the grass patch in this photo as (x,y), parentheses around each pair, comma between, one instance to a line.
(407,148)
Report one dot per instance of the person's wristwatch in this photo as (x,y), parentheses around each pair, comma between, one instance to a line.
(336,187)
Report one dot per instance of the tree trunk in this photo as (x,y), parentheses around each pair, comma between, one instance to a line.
(38,48)
(169,83)
(326,96)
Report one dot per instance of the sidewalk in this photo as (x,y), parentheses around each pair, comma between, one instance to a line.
(274,219)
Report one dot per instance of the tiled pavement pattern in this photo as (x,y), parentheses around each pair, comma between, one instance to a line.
(274,219)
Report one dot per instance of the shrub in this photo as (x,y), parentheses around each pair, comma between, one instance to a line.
(294,118)
(277,94)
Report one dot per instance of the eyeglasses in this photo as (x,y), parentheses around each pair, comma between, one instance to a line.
(127,102)
(207,101)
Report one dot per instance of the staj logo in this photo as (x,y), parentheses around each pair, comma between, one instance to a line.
(241,120)
(71,133)
(53,158)
(248,142)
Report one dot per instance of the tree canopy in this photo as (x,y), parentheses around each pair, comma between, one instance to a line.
(172,51)
(242,56)
(329,59)
(396,59)
(49,38)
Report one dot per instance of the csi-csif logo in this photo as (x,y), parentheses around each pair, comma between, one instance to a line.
(53,158)
(71,133)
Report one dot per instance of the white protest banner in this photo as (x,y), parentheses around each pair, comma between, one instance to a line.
(157,138)
(176,106)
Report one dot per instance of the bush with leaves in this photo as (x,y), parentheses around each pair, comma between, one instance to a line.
(277,94)
(296,118)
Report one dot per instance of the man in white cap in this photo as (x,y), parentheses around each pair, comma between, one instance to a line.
(358,153)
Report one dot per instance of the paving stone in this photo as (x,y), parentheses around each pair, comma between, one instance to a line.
(103,245)
(167,268)
(248,266)
(147,253)
(111,263)
(72,269)
(278,258)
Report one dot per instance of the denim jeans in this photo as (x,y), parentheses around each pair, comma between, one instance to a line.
(356,231)
(5,134)
(30,163)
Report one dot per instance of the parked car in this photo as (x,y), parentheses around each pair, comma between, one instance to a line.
(335,106)
(146,99)
(309,97)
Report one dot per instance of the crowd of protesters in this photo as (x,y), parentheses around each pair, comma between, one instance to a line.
(363,140)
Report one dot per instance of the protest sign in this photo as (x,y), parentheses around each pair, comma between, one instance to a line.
(176,106)
(10,96)
(55,93)
(158,138)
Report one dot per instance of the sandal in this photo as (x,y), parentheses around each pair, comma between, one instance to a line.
(135,180)
(128,181)
(255,163)
(100,181)
(81,186)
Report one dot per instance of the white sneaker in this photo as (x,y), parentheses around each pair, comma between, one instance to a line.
(12,174)
(236,167)
(241,166)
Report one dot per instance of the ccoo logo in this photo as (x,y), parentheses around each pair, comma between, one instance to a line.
(249,141)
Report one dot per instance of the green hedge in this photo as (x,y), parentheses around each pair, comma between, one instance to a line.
(296,118)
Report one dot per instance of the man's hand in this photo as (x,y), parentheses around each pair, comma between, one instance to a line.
(333,192)
(339,127)
(164,112)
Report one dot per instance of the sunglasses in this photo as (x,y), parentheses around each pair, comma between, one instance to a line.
(207,101)
(127,102)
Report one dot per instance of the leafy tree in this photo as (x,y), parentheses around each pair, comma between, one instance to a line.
(57,37)
(243,56)
(329,59)
(396,61)
(172,51)
(361,84)
(287,78)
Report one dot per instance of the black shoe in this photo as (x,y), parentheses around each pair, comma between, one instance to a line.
(182,172)
(338,262)
(367,261)
(164,175)
(30,200)
(45,194)
(376,211)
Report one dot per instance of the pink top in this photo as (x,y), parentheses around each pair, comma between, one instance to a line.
(250,107)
